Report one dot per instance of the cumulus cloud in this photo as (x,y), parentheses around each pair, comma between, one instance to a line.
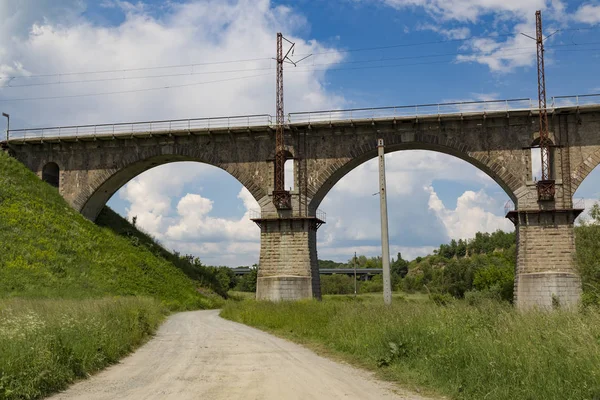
(470,215)
(199,33)
(353,219)
(504,48)
(470,10)
(195,224)
(588,13)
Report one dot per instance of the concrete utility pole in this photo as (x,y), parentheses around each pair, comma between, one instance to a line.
(7,116)
(385,238)
(354,263)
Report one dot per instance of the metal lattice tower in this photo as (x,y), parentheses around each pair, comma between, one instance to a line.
(545,186)
(281,197)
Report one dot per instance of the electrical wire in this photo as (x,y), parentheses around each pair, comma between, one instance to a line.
(465,54)
(250,59)
(130,91)
(261,75)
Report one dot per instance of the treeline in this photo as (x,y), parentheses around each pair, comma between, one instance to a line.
(484,264)
(223,279)
(480,267)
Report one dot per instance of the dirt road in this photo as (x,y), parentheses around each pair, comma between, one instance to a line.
(198,355)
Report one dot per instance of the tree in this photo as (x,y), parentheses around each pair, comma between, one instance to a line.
(399,267)
(247,283)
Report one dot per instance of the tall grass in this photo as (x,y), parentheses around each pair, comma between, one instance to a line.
(47,344)
(487,352)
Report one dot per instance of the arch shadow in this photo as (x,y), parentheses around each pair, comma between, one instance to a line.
(51,174)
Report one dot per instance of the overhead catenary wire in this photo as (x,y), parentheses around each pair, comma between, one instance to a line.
(464,54)
(219,81)
(199,64)
(296,70)
(132,90)
(328,68)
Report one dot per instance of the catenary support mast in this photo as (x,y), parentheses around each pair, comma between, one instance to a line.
(545,186)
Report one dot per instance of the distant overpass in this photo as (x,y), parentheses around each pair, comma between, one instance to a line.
(363,273)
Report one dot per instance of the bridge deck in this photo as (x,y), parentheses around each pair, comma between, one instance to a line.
(265,122)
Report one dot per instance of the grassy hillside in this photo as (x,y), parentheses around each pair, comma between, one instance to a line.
(48,250)
(206,276)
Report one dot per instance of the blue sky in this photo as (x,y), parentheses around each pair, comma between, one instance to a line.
(429,51)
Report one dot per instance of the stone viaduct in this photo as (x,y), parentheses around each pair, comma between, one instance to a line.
(89,167)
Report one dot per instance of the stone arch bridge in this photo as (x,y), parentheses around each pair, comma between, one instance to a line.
(89,164)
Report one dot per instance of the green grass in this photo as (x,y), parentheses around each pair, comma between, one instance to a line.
(74,296)
(377,297)
(487,352)
(48,250)
(47,344)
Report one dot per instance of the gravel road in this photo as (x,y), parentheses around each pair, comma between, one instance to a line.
(199,355)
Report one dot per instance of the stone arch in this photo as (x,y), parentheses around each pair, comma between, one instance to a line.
(581,171)
(103,184)
(51,174)
(331,173)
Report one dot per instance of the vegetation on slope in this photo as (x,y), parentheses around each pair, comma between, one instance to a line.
(484,264)
(191,266)
(490,351)
(49,250)
(74,296)
(47,344)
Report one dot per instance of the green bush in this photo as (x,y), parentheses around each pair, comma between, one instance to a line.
(337,284)
(372,286)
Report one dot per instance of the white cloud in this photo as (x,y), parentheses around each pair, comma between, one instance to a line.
(194,32)
(504,48)
(149,194)
(470,215)
(502,56)
(588,13)
(470,10)
(194,223)
(450,33)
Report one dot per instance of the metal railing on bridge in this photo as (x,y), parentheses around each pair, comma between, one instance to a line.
(572,101)
(420,110)
(578,204)
(266,120)
(258,214)
(148,127)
